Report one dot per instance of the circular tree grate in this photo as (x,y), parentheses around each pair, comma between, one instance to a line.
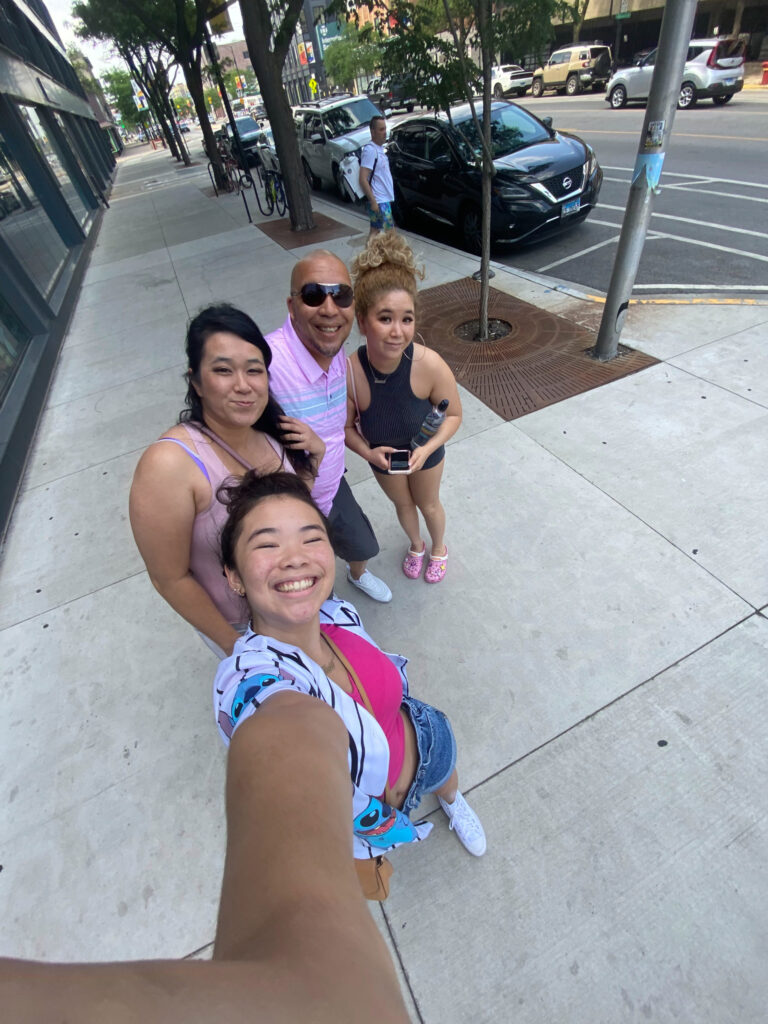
(470,330)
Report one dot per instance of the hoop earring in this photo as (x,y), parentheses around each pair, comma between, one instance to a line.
(420,336)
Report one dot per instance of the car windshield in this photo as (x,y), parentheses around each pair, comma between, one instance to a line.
(246,126)
(352,115)
(511,129)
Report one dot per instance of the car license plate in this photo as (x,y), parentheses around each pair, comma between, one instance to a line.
(730,81)
(573,207)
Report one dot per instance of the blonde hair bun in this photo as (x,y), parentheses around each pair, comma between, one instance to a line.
(386,264)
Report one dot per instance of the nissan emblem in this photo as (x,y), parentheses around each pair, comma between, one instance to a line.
(567,183)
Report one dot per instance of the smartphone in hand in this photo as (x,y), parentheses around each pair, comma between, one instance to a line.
(399,461)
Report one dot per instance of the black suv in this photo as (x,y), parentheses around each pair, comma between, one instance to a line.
(545,180)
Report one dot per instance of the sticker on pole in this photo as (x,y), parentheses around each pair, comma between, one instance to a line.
(654,135)
(649,164)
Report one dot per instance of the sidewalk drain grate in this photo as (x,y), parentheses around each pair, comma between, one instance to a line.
(543,360)
(325,228)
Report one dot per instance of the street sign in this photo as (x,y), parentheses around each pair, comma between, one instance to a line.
(625,14)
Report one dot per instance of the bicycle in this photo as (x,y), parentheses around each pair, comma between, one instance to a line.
(274,194)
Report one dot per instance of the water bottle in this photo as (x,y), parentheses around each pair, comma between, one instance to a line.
(431,423)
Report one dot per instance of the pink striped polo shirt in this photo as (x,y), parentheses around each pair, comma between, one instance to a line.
(315,396)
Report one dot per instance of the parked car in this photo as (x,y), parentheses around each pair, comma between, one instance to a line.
(392,93)
(328,131)
(184,127)
(510,78)
(248,131)
(573,68)
(714,69)
(545,180)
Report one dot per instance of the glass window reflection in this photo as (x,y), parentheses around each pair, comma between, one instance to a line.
(50,152)
(25,227)
(14,338)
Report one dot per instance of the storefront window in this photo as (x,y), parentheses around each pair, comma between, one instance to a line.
(25,227)
(64,123)
(13,340)
(49,151)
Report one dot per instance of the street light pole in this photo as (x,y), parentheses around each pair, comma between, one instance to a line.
(665,88)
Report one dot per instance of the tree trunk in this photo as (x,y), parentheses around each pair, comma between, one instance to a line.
(194,80)
(170,113)
(737,18)
(486,48)
(269,76)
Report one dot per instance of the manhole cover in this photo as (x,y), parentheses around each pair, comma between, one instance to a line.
(470,330)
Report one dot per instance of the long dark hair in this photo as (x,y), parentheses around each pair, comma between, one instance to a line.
(226,318)
(248,492)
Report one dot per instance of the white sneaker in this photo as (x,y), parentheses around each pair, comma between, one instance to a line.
(465,824)
(371,585)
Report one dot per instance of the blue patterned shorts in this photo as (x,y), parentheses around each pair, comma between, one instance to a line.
(382,218)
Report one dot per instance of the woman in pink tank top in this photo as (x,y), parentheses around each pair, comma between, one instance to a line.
(231,424)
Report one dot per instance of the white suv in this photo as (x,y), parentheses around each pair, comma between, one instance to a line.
(510,78)
(714,69)
(329,130)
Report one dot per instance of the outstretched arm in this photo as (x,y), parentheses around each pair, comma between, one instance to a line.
(295,939)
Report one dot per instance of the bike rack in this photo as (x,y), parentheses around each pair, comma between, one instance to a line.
(213,180)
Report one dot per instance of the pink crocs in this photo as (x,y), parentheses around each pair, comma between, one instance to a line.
(413,562)
(436,568)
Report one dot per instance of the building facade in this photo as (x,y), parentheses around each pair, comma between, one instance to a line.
(56,164)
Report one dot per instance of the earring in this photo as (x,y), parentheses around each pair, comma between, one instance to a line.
(420,336)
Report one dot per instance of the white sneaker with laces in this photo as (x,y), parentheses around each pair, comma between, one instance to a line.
(465,824)
(371,585)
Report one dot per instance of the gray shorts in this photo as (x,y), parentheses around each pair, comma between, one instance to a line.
(352,535)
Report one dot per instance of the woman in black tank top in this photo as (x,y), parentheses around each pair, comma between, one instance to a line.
(392,384)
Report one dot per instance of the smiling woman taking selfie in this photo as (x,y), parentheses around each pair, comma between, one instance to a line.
(392,385)
(231,424)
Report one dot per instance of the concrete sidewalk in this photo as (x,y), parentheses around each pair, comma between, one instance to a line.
(600,645)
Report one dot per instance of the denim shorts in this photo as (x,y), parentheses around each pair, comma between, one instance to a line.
(437,750)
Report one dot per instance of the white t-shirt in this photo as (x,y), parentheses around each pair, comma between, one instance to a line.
(381,180)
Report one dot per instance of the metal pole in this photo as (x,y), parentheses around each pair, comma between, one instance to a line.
(225,100)
(665,88)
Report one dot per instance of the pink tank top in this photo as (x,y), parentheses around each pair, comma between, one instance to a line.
(383,686)
(205,550)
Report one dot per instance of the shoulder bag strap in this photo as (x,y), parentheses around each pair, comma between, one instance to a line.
(222,444)
(358,426)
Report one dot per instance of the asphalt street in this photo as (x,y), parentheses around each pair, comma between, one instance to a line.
(710,222)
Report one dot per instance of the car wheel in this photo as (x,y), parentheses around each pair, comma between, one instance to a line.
(719,101)
(537,88)
(341,185)
(618,97)
(498,92)
(312,180)
(472,229)
(687,97)
(573,86)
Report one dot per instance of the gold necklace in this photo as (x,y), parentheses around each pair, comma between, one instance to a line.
(327,668)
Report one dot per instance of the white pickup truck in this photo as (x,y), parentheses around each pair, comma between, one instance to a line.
(510,78)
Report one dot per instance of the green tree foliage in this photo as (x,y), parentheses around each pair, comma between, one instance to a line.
(357,52)
(119,92)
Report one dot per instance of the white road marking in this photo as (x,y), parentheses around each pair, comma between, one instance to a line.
(577,255)
(711,192)
(698,223)
(678,174)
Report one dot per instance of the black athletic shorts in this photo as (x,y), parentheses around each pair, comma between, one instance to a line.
(352,535)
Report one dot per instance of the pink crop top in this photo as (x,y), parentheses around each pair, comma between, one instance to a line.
(383,686)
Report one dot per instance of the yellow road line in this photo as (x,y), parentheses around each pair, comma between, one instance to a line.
(685,302)
(678,135)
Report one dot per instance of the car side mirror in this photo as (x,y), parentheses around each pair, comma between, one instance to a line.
(547,121)
(317,138)
(443,161)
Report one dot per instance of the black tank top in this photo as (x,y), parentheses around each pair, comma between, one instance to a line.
(395,413)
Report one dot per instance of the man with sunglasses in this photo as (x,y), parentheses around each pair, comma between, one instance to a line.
(308,376)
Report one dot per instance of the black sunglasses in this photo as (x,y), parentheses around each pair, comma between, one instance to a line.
(313,294)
